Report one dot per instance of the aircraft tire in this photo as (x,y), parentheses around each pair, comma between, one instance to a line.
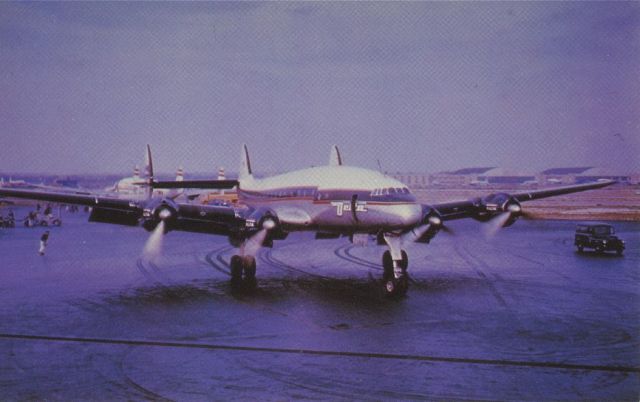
(236,269)
(387,266)
(249,267)
(404,264)
(396,287)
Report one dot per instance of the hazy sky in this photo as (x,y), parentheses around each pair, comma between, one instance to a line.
(420,86)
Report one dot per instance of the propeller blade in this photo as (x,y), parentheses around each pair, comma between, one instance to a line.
(153,246)
(414,234)
(494,225)
(253,243)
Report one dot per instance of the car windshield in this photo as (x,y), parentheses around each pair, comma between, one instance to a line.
(603,230)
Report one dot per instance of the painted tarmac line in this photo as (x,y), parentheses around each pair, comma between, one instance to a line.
(438,359)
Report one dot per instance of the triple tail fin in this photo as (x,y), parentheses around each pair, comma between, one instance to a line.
(335,159)
(245,164)
(148,170)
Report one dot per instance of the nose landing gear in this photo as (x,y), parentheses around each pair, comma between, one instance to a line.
(394,263)
(243,271)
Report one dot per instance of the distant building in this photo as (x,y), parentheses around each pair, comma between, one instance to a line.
(461,177)
(413,180)
(573,175)
(504,176)
(66,182)
(594,174)
(563,175)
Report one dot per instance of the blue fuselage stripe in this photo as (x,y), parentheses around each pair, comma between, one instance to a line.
(313,194)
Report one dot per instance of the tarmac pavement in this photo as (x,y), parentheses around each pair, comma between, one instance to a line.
(520,317)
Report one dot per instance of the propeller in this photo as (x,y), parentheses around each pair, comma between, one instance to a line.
(512,212)
(153,247)
(433,222)
(494,225)
(253,243)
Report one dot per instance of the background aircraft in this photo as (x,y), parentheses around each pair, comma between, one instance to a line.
(332,201)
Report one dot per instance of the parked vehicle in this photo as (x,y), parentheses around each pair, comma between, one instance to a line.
(7,222)
(34,219)
(598,236)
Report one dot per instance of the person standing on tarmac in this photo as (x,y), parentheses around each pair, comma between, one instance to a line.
(43,242)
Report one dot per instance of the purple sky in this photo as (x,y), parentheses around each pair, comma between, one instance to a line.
(420,86)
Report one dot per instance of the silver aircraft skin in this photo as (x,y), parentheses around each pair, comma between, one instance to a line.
(332,201)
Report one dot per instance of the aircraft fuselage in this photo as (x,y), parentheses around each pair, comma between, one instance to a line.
(339,199)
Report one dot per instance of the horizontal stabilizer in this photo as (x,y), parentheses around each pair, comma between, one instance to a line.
(212,184)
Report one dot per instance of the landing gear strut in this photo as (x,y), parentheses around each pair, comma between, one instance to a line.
(243,270)
(395,263)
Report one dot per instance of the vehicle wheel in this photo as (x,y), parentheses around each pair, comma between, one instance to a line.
(599,250)
(580,249)
(57,222)
(44,223)
(619,251)
(236,270)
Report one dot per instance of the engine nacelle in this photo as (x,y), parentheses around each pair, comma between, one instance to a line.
(159,210)
(262,219)
(496,204)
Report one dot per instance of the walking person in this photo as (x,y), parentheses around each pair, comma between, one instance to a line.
(43,242)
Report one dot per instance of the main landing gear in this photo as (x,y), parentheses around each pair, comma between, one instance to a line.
(395,263)
(243,271)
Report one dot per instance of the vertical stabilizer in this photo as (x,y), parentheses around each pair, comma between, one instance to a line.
(148,164)
(221,176)
(148,170)
(245,164)
(335,159)
(175,193)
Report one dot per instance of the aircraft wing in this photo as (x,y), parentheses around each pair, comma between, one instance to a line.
(497,203)
(221,220)
(79,198)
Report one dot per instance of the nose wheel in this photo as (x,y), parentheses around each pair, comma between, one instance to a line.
(394,277)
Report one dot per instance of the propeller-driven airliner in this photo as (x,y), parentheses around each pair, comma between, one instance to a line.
(333,201)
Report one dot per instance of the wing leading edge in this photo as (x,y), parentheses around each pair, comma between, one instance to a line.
(186,217)
(499,202)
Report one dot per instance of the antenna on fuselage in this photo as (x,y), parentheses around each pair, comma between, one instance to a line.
(380,167)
